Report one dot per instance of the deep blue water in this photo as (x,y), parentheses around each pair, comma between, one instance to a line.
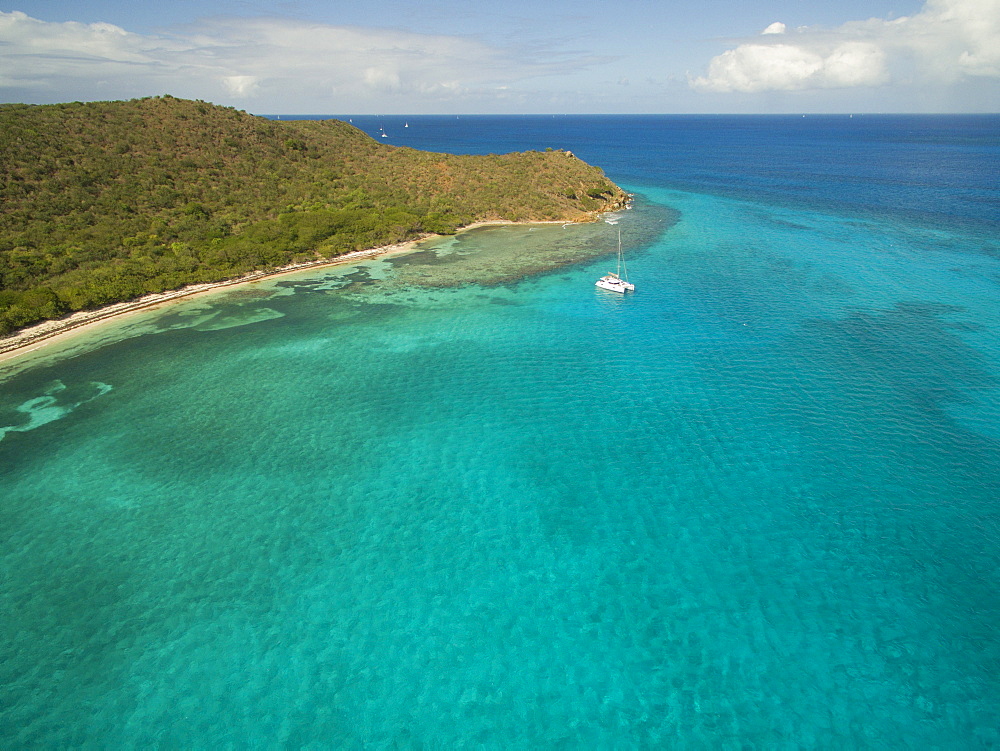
(937,168)
(753,505)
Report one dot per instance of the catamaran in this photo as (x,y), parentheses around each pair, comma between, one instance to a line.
(614,282)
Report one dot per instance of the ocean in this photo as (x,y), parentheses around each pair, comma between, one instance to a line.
(463,498)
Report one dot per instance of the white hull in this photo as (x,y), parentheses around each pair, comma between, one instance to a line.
(614,284)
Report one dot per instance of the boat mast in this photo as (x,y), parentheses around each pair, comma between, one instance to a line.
(621,258)
(618,271)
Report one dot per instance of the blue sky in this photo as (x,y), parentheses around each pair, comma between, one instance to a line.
(515,56)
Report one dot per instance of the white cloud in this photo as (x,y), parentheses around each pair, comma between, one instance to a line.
(946,42)
(33,53)
(238,61)
(854,64)
(241,85)
(384,77)
(758,67)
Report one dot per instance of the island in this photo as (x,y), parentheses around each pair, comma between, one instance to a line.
(108,205)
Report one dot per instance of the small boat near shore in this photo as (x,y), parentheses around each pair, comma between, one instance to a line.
(614,282)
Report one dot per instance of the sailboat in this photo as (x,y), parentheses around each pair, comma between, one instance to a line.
(614,282)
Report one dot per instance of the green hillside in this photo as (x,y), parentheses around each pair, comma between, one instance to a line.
(107,201)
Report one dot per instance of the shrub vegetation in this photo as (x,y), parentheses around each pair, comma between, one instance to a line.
(107,201)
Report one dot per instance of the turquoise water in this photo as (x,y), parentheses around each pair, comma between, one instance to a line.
(753,505)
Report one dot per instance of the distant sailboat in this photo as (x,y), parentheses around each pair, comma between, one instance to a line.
(614,282)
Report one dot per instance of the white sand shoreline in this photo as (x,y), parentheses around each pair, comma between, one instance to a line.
(46,333)
(43,334)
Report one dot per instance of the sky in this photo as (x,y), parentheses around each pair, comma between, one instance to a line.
(509,56)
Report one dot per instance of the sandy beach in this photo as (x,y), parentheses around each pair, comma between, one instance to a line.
(46,333)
